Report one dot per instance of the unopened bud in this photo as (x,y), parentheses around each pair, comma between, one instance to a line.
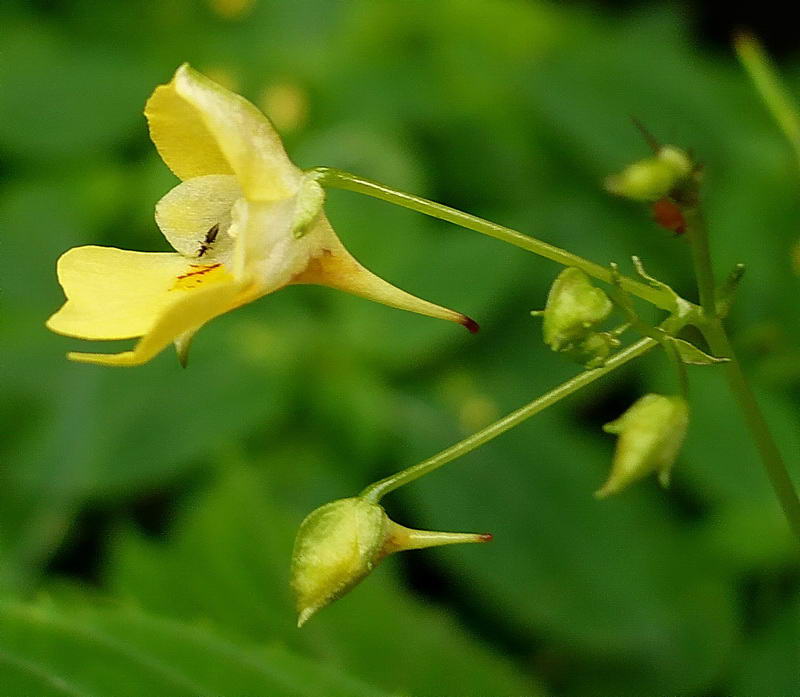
(340,543)
(651,433)
(654,177)
(574,308)
(594,350)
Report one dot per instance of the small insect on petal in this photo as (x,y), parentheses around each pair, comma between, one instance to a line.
(668,215)
(209,239)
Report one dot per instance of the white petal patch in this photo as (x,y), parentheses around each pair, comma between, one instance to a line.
(195,216)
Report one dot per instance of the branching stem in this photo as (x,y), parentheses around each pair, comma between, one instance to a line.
(707,318)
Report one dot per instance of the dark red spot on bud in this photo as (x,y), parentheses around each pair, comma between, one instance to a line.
(470,324)
(668,215)
(486,537)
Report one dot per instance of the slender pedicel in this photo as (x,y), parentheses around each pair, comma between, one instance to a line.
(339,179)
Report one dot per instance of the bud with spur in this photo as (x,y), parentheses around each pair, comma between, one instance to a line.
(340,543)
(651,433)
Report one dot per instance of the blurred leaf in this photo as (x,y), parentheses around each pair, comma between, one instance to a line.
(771,658)
(228,561)
(61,103)
(47,650)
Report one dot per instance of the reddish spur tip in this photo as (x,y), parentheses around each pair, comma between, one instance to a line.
(470,324)
(486,537)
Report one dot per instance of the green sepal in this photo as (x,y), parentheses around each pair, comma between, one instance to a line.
(310,199)
(679,307)
(727,291)
(691,355)
(594,350)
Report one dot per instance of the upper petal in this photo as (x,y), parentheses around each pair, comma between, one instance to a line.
(199,127)
(118,294)
(181,137)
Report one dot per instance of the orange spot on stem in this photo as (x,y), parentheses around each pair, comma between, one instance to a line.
(668,215)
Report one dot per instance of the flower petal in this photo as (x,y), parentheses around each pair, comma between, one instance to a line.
(335,267)
(181,137)
(189,312)
(188,212)
(118,294)
(266,252)
(199,128)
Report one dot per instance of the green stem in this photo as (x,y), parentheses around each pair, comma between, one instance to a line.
(701,258)
(680,368)
(624,305)
(759,429)
(720,345)
(375,492)
(339,179)
(783,108)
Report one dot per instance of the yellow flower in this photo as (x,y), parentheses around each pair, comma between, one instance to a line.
(244,221)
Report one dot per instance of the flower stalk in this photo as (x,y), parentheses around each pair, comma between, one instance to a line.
(375,492)
(339,179)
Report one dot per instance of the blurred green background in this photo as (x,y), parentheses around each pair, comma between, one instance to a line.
(147,515)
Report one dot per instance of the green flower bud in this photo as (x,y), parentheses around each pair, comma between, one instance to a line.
(574,308)
(340,543)
(651,433)
(654,177)
(594,350)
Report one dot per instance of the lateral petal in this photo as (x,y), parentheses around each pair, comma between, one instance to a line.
(189,312)
(118,294)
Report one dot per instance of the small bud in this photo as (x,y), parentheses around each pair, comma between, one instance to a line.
(594,350)
(651,433)
(653,178)
(340,543)
(308,205)
(574,308)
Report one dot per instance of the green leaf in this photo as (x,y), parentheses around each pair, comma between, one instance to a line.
(50,651)
(771,657)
